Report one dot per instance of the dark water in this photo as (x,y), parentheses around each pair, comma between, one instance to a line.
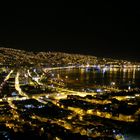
(122,78)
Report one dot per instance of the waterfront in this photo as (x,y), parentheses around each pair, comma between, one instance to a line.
(76,103)
(113,77)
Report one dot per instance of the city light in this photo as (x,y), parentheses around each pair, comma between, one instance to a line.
(70,99)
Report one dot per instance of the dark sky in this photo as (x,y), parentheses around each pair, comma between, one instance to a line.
(103,30)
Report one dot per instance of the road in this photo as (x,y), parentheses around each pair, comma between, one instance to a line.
(61,93)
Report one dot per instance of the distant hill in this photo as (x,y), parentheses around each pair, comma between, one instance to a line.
(15,57)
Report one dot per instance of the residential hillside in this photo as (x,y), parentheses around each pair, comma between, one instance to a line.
(14,57)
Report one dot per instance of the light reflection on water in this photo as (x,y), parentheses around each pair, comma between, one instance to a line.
(81,78)
(102,77)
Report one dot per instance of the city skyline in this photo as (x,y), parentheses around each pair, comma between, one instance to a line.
(104,30)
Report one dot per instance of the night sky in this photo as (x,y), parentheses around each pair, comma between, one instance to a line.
(104,30)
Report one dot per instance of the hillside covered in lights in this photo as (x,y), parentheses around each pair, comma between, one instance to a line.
(14,57)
